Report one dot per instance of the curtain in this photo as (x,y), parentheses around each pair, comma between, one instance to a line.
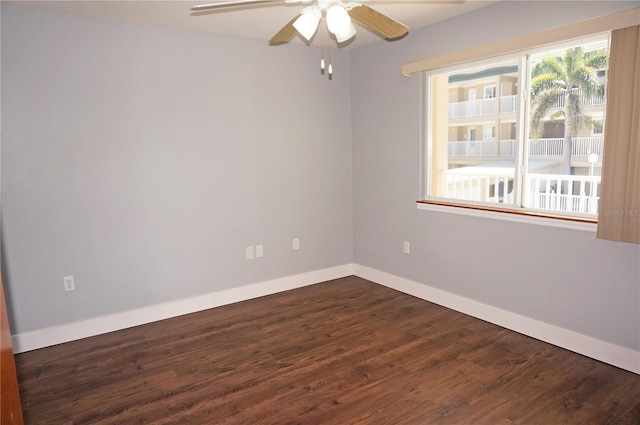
(619,210)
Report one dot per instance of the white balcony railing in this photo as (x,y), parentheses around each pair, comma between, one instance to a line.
(472,108)
(562,193)
(474,148)
(545,148)
(478,108)
(583,146)
(507,148)
(578,194)
(471,186)
(593,100)
(538,148)
(509,104)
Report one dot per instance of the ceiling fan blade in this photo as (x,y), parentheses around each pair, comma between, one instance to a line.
(285,34)
(232,3)
(378,22)
(415,1)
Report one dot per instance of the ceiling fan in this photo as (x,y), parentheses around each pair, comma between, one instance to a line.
(337,13)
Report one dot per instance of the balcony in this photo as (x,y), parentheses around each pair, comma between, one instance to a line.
(543,190)
(594,100)
(483,107)
(490,150)
(509,104)
(581,193)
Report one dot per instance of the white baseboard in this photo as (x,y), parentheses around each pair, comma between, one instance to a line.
(607,352)
(53,335)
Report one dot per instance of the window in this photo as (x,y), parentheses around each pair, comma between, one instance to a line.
(598,128)
(489,131)
(489,92)
(536,147)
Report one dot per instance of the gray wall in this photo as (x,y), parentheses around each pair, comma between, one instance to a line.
(563,277)
(143,160)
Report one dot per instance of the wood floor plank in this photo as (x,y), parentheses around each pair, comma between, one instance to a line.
(341,352)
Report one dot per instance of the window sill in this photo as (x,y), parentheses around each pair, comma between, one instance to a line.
(518,216)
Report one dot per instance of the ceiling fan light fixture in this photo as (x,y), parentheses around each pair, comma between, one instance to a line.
(307,23)
(341,37)
(338,19)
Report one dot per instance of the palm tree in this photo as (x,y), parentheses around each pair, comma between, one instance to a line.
(574,76)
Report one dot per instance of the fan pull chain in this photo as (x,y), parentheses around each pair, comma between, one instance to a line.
(322,60)
(330,67)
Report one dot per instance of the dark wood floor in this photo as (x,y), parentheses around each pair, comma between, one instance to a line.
(342,352)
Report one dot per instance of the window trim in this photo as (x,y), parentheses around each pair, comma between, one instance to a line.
(509,214)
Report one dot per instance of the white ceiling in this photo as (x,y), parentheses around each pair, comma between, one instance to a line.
(260,22)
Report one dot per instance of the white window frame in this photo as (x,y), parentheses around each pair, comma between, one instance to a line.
(493,93)
(500,211)
(492,134)
(598,133)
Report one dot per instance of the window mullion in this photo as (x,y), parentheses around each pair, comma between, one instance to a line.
(522,125)
(426,135)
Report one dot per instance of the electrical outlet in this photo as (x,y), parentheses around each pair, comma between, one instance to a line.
(248,253)
(259,251)
(296,244)
(407,247)
(69,284)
